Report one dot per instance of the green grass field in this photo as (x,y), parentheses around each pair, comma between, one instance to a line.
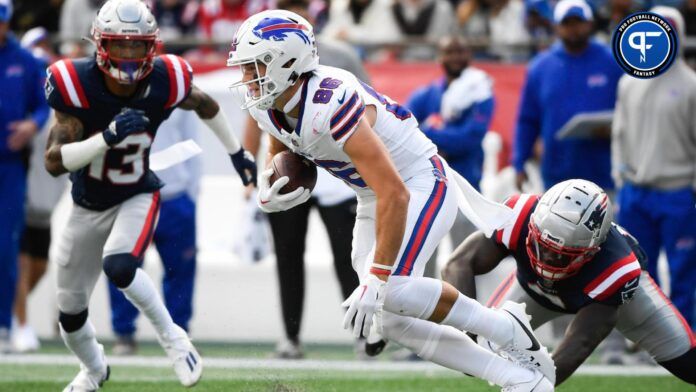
(50,371)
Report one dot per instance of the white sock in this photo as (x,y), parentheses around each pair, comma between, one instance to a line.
(453,349)
(144,296)
(83,344)
(469,315)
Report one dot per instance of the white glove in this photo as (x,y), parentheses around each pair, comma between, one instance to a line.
(364,302)
(269,198)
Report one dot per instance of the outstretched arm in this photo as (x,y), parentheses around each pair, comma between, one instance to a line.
(589,327)
(209,111)
(477,255)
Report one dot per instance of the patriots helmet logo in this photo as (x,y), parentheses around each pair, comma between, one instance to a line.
(277,29)
(594,222)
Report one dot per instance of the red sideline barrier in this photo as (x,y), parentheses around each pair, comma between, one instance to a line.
(398,80)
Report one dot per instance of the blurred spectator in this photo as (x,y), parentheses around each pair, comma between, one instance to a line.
(472,16)
(220,19)
(76,18)
(509,36)
(653,153)
(175,236)
(43,193)
(23,112)
(666,3)
(35,13)
(319,11)
(362,22)
(501,21)
(610,15)
(576,75)
(334,200)
(688,10)
(427,20)
(455,111)
(175,19)
(38,42)
(539,23)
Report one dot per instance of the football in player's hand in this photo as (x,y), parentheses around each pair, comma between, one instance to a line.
(302,172)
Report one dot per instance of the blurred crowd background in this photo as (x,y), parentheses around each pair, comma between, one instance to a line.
(500,30)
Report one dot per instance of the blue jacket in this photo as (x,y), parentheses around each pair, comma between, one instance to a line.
(559,86)
(21,91)
(459,141)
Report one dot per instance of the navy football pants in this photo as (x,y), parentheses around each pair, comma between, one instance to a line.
(175,239)
(665,219)
(13,179)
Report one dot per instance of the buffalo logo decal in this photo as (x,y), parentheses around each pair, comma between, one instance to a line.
(277,29)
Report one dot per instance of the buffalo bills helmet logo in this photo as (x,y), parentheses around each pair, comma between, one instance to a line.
(277,29)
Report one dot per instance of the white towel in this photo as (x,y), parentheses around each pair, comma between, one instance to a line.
(485,214)
(472,86)
(174,154)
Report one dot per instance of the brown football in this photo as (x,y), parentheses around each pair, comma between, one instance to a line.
(302,172)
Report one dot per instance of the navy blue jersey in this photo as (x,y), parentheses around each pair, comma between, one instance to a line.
(77,88)
(611,277)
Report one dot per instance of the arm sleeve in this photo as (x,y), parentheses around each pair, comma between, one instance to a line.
(467,133)
(190,126)
(528,121)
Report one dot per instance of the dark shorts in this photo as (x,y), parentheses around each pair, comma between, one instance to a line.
(36,241)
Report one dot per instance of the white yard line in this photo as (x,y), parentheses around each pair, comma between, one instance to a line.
(308,365)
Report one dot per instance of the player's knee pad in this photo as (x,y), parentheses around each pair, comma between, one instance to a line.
(683,366)
(414,297)
(72,322)
(121,268)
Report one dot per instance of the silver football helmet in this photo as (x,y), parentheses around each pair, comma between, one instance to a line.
(125,20)
(568,225)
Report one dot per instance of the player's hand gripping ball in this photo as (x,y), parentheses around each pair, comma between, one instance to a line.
(288,183)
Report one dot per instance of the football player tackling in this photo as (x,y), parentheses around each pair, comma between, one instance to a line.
(405,202)
(108,108)
(572,259)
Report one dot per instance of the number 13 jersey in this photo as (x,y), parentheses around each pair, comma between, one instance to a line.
(332,101)
(77,88)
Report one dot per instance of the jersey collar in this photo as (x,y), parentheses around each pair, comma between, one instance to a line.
(278,118)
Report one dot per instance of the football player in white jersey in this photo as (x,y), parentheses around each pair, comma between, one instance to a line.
(406,202)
